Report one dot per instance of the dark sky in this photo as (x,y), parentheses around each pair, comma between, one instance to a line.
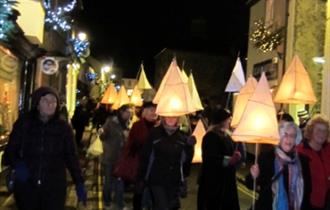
(127,33)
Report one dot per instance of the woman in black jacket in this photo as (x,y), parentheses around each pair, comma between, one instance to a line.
(217,182)
(40,149)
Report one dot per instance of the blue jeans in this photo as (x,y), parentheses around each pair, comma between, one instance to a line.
(112,184)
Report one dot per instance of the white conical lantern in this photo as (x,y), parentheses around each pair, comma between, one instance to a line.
(136,98)
(242,99)
(143,82)
(237,79)
(296,86)
(199,133)
(122,98)
(174,96)
(258,123)
(110,95)
(194,94)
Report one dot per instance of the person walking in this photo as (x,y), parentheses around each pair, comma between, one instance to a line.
(278,173)
(113,135)
(314,153)
(217,179)
(138,137)
(165,156)
(40,149)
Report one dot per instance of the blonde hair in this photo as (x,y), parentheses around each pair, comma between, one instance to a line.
(317,119)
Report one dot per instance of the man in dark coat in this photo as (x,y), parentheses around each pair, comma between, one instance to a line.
(40,149)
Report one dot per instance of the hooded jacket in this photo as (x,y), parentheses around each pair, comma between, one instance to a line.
(47,148)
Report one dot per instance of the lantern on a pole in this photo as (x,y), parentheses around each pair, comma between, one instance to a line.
(143,82)
(237,78)
(258,123)
(174,98)
(296,86)
(110,95)
(194,93)
(199,133)
(245,93)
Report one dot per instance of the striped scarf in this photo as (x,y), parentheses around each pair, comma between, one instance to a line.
(292,199)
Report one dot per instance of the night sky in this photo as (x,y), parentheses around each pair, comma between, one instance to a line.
(128,33)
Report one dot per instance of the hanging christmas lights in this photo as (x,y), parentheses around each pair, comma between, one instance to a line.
(6,25)
(80,47)
(58,18)
(266,39)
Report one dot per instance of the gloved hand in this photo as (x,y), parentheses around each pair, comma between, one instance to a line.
(81,193)
(235,158)
(191,140)
(22,173)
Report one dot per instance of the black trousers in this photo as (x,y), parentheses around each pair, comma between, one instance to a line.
(165,197)
(29,196)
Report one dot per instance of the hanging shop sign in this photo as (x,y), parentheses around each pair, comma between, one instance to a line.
(49,65)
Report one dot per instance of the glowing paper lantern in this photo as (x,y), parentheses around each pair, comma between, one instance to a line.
(242,99)
(184,76)
(237,79)
(296,86)
(258,123)
(174,96)
(199,133)
(122,98)
(161,86)
(143,82)
(136,98)
(110,95)
(194,94)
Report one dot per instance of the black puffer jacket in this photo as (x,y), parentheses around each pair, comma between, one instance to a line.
(47,149)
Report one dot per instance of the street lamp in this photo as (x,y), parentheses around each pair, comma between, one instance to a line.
(82,36)
(104,71)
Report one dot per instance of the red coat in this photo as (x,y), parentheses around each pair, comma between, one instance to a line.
(317,172)
(138,136)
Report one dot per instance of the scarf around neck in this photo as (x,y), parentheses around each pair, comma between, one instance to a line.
(284,200)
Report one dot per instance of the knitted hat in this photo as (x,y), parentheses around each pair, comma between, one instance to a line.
(303,114)
(220,115)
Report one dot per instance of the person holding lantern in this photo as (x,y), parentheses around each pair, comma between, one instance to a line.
(278,173)
(217,181)
(314,152)
(163,162)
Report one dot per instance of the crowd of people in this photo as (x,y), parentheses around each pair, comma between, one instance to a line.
(154,155)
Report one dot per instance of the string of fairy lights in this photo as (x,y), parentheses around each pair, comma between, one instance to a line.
(266,39)
(59,18)
(7,26)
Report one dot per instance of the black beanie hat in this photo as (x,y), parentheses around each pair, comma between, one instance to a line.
(148,104)
(220,115)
